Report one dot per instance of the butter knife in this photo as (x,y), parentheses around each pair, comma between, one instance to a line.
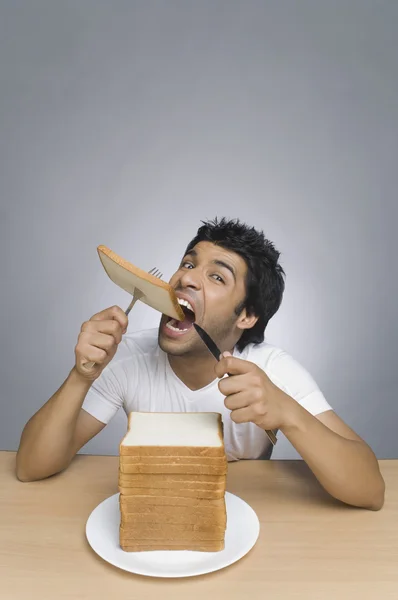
(212,346)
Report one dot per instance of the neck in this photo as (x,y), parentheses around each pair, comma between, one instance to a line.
(195,372)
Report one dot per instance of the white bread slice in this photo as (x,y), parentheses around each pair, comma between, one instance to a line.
(169,519)
(169,477)
(172,535)
(173,460)
(178,485)
(182,492)
(199,546)
(158,451)
(173,434)
(157,527)
(193,469)
(128,503)
(156,293)
(159,511)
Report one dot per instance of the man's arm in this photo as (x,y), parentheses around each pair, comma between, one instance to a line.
(56,432)
(341,461)
(61,427)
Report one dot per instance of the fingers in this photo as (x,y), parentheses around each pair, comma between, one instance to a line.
(246,405)
(95,347)
(91,355)
(242,415)
(98,340)
(233,385)
(237,401)
(241,412)
(111,328)
(113,313)
(233,366)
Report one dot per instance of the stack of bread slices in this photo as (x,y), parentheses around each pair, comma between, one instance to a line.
(172,481)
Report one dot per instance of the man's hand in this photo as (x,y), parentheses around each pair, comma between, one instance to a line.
(338,457)
(98,341)
(251,395)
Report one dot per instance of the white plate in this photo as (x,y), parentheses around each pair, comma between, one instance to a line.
(102,531)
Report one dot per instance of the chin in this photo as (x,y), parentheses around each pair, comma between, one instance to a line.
(172,351)
(172,347)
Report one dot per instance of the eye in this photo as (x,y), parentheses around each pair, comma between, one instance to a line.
(186,265)
(217,277)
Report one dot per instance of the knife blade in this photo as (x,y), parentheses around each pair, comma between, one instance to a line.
(212,346)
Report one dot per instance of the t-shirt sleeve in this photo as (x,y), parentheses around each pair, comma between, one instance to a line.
(107,393)
(294,380)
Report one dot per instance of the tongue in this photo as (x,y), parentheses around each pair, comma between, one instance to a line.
(187,322)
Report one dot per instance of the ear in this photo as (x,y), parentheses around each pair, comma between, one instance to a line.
(246,321)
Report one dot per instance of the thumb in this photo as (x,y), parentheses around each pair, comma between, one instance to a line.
(225,354)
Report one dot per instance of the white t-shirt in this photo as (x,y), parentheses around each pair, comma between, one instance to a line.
(140,378)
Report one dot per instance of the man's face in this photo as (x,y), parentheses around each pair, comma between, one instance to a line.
(212,280)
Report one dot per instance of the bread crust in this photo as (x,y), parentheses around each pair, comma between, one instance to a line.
(143,275)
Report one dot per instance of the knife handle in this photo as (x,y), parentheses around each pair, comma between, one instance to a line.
(271,434)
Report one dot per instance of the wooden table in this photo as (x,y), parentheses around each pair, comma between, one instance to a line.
(310,546)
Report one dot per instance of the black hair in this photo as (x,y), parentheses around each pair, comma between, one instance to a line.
(265,282)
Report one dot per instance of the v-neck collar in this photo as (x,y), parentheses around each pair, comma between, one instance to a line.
(187,389)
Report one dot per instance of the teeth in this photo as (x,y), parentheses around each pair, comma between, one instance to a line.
(170,326)
(185,303)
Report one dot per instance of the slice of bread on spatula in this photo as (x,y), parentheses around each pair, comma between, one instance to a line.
(156,293)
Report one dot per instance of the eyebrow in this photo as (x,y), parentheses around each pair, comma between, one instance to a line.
(220,263)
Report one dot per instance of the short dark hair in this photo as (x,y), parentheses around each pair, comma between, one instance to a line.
(265,277)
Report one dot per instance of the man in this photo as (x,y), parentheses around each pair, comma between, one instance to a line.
(231,283)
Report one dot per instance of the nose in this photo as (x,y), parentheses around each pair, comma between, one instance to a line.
(191,278)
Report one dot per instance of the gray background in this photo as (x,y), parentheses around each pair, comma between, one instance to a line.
(126,123)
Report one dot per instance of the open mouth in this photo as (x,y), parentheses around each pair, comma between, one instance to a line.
(187,323)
